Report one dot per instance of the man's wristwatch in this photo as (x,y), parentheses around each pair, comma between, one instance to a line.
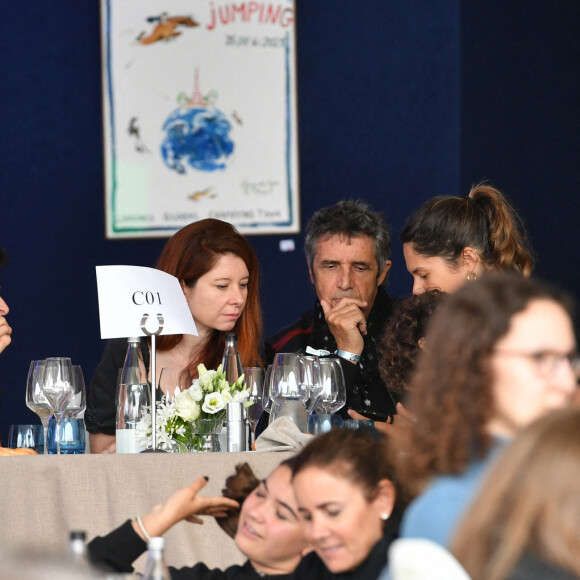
(348,355)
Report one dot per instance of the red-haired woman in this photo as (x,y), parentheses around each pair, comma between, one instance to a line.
(218,272)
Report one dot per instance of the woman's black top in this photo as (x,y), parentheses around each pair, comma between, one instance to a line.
(118,550)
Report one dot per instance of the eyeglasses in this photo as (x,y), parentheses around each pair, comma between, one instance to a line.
(547,362)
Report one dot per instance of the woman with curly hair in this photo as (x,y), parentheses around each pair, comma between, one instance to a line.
(525,523)
(500,354)
(404,337)
(400,345)
(452,240)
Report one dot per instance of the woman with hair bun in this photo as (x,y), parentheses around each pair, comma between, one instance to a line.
(452,240)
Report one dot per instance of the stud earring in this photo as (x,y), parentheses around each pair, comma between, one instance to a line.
(385,517)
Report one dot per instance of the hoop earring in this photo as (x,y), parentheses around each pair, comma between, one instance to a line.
(471,277)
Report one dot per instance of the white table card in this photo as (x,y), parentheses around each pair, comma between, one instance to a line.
(138,301)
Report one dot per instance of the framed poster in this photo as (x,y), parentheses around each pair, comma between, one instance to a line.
(199,111)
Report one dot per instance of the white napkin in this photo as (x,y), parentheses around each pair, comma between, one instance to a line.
(282,435)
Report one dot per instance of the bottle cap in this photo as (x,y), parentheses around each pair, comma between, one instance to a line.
(78,535)
(157,543)
(133,339)
(235,412)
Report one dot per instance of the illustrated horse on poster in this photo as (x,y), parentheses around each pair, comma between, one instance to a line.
(165,27)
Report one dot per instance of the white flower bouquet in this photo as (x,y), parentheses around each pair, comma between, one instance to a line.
(194,413)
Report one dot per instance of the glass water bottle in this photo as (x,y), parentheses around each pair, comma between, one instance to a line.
(133,395)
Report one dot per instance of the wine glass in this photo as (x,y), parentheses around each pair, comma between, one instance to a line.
(266,401)
(332,393)
(310,382)
(58,388)
(286,389)
(36,400)
(287,373)
(78,400)
(255,384)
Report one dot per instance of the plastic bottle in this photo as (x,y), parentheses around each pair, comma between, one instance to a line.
(133,394)
(231,362)
(77,550)
(155,568)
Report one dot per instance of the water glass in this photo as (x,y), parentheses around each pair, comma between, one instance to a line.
(358,424)
(323,423)
(72,436)
(31,436)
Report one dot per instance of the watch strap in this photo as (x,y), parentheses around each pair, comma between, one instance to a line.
(347,355)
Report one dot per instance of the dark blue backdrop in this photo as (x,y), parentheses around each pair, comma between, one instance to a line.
(398,101)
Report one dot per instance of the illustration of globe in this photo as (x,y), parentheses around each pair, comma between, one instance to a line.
(197,136)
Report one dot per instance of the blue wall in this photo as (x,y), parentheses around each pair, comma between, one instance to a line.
(398,101)
(520,119)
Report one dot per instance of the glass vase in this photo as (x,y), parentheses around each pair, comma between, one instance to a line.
(206,436)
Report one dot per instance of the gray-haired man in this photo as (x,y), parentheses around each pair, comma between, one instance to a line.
(347,251)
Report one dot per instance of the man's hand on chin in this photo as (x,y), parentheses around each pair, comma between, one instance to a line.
(347,323)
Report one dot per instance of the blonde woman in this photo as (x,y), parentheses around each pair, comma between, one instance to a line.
(525,523)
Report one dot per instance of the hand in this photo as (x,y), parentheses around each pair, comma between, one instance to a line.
(102,443)
(402,422)
(185,504)
(5,332)
(404,416)
(347,323)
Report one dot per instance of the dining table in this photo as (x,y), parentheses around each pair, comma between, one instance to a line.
(44,497)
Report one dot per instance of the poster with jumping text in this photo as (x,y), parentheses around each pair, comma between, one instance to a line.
(200,115)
